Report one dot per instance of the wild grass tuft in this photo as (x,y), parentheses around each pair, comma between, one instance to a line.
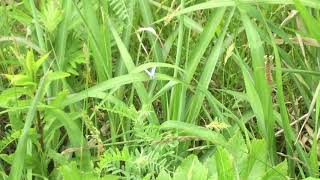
(144,89)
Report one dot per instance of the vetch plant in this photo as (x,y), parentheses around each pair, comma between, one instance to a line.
(145,89)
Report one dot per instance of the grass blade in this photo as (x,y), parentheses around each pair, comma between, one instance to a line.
(260,82)
(20,153)
(193,130)
(195,57)
(206,75)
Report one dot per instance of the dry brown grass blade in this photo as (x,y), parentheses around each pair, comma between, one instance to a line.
(305,40)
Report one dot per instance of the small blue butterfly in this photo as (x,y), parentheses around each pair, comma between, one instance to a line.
(151,73)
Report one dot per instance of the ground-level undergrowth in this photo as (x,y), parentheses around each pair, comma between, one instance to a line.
(171,89)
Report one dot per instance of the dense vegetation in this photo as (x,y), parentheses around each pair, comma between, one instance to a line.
(170,89)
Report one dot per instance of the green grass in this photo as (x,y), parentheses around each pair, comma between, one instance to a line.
(234,95)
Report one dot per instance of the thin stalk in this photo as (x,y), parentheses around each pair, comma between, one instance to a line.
(176,115)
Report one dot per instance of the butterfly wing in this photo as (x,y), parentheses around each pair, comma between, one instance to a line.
(153,70)
(151,73)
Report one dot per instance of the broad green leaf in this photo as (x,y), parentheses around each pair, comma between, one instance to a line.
(58,158)
(10,95)
(52,76)
(277,173)
(59,99)
(211,165)
(39,62)
(20,80)
(224,163)
(311,178)
(71,172)
(257,161)
(239,151)
(191,169)
(20,16)
(164,176)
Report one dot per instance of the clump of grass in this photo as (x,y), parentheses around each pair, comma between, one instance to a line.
(140,89)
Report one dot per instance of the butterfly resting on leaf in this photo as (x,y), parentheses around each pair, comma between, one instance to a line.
(151,73)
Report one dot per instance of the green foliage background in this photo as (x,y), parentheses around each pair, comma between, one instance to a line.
(171,89)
